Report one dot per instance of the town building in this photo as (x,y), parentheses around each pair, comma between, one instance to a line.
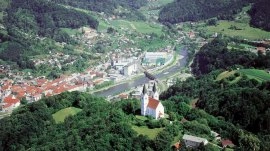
(193,141)
(10,103)
(130,68)
(155,58)
(150,104)
(227,143)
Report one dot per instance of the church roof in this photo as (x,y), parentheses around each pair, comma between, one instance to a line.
(153,103)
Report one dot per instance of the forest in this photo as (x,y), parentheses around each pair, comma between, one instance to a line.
(244,103)
(191,10)
(102,125)
(260,15)
(109,6)
(216,55)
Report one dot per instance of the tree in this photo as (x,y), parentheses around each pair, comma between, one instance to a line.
(249,141)
(212,22)
(23,101)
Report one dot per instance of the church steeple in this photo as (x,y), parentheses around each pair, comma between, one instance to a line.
(154,88)
(144,91)
(144,101)
(155,94)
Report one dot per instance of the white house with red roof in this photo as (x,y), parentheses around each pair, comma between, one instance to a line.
(150,105)
(10,103)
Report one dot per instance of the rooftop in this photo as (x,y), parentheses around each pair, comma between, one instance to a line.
(194,138)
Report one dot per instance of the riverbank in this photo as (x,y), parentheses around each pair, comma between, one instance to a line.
(157,70)
(178,63)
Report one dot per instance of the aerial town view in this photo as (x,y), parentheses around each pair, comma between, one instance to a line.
(153,75)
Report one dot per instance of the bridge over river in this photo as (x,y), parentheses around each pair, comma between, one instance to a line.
(142,80)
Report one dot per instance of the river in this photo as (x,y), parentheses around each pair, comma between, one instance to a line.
(142,80)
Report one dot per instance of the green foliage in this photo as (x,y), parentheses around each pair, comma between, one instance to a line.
(249,142)
(216,55)
(100,125)
(186,10)
(23,101)
(247,31)
(104,84)
(109,6)
(259,75)
(212,22)
(27,21)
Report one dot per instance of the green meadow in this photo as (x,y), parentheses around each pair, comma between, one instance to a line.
(61,115)
(237,29)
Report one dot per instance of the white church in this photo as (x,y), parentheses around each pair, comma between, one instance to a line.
(150,104)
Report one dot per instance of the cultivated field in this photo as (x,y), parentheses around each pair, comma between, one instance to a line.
(259,75)
(242,30)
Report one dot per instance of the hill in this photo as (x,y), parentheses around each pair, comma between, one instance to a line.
(260,15)
(27,23)
(234,76)
(123,8)
(216,55)
(192,10)
(101,125)
(245,103)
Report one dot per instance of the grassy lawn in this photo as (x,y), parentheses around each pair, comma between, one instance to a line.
(1,16)
(60,116)
(142,27)
(224,74)
(245,32)
(152,8)
(144,130)
(259,75)
(71,31)
(143,118)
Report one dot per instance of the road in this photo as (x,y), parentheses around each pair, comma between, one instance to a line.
(142,80)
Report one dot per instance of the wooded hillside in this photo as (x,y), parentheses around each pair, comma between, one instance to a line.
(27,21)
(260,14)
(194,10)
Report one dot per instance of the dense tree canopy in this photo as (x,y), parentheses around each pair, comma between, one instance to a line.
(109,6)
(260,15)
(27,21)
(99,126)
(194,10)
(216,55)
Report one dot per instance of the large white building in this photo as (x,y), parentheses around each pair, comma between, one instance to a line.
(130,68)
(150,105)
(155,58)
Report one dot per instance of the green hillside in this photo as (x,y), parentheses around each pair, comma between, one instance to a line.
(260,75)
(260,15)
(123,8)
(237,29)
(192,10)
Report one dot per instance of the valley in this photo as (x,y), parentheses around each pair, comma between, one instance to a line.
(134,75)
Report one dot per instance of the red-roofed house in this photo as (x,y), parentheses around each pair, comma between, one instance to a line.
(176,146)
(150,105)
(226,142)
(123,96)
(261,50)
(10,103)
